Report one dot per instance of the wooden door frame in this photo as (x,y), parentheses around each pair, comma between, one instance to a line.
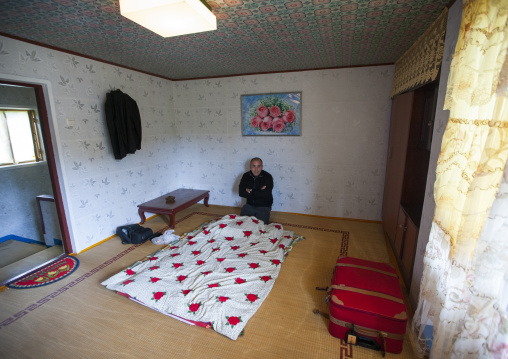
(51,158)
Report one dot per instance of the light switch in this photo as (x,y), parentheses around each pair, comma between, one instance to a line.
(71,122)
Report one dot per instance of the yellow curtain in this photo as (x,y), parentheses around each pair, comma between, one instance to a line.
(475,144)
(465,263)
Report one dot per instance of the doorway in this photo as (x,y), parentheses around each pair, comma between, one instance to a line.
(36,232)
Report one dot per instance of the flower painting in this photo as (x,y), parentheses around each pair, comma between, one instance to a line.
(272,114)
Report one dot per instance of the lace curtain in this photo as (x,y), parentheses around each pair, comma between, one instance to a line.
(464,287)
(420,64)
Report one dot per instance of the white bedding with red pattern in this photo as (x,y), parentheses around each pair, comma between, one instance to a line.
(220,273)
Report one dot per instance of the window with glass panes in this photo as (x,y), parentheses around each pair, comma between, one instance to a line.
(19,137)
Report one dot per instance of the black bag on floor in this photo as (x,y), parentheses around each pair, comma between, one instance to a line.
(134,234)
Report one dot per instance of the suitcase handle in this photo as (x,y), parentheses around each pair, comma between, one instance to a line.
(353,337)
(364,340)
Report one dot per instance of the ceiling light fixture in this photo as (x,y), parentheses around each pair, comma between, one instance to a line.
(170,17)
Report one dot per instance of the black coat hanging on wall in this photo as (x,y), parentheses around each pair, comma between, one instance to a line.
(124,123)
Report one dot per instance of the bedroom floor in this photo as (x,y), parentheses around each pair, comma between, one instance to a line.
(77,317)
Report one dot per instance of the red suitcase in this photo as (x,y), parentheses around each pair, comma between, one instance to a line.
(366,305)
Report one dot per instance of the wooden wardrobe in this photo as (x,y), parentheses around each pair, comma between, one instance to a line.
(411,126)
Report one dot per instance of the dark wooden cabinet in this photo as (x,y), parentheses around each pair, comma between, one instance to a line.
(411,124)
(400,231)
(407,255)
(405,241)
(402,107)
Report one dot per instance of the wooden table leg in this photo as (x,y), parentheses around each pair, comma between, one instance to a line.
(142,216)
(206,200)
(172,221)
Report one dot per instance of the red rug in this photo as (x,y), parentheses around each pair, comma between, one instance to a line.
(49,274)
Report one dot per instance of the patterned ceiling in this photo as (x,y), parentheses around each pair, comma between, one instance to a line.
(253,36)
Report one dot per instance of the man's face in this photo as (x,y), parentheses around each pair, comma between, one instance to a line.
(256,167)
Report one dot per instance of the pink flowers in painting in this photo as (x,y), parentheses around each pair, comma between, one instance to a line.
(274,121)
(262,111)
(273,114)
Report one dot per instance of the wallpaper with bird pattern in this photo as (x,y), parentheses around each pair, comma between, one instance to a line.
(192,138)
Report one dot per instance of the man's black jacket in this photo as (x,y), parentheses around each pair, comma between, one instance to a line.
(258,197)
(124,123)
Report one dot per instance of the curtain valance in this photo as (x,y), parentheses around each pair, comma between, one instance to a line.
(421,63)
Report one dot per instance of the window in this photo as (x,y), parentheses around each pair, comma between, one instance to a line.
(19,137)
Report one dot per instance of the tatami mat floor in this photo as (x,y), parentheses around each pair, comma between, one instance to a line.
(78,318)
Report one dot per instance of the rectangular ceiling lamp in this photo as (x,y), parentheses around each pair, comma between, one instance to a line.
(170,17)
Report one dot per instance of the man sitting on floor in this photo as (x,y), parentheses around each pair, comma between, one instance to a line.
(256,186)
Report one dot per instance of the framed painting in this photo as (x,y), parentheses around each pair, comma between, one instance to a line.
(273,114)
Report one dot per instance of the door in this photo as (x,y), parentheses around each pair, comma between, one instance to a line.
(408,252)
(21,267)
(400,232)
(404,245)
(402,106)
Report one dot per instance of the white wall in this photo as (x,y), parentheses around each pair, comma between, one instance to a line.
(102,193)
(20,185)
(335,168)
(192,138)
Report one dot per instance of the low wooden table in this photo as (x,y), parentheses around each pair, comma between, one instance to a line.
(184,198)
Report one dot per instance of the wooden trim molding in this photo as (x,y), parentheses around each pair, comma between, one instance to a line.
(51,160)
